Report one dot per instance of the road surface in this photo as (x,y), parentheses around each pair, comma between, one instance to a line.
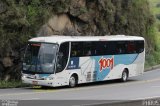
(140,87)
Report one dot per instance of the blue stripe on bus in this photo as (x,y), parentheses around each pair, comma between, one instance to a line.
(125,59)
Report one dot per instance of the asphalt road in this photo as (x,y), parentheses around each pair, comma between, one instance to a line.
(137,88)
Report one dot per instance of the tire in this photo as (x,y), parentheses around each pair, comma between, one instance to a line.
(72,81)
(124,77)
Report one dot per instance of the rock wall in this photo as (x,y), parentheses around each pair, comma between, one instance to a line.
(99,17)
(21,20)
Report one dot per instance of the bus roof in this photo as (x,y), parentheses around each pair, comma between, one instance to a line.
(59,38)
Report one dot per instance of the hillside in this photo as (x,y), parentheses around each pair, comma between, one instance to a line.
(155,8)
(24,19)
(155,57)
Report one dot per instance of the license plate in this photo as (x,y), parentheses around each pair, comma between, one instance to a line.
(35,82)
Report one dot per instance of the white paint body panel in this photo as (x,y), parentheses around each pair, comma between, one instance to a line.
(88,65)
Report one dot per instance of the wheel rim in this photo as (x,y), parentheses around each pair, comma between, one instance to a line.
(72,82)
(124,76)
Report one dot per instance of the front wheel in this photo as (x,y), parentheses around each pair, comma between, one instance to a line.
(72,81)
(124,77)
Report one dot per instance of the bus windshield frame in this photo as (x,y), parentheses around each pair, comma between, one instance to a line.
(40,58)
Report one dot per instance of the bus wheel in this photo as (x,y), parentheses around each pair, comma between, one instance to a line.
(124,77)
(72,81)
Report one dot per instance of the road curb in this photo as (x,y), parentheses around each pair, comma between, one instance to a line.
(152,68)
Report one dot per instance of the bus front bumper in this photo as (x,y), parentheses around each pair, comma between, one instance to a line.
(38,82)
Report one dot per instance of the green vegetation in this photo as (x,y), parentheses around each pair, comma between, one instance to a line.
(153,57)
(12,84)
(19,21)
(22,19)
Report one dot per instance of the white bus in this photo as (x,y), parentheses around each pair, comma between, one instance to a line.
(70,60)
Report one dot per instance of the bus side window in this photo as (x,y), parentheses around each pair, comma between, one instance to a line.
(139,46)
(130,47)
(74,53)
(121,48)
(62,56)
(87,48)
(88,53)
(75,49)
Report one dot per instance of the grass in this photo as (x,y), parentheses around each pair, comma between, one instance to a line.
(11,84)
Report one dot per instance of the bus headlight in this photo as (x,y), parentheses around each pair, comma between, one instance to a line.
(24,76)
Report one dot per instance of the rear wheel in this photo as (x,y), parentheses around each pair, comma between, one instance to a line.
(124,77)
(72,81)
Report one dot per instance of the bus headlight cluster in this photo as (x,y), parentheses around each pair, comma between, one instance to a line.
(24,76)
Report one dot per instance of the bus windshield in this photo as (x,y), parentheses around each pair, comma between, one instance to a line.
(40,58)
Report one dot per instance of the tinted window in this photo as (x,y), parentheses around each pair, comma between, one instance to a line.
(139,46)
(62,56)
(77,49)
(80,49)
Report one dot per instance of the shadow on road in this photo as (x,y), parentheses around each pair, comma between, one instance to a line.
(92,84)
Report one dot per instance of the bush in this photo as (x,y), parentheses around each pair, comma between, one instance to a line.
(12,84)
(23,18)
(158,16)
(158,5)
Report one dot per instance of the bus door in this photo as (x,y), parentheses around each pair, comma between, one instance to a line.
(62,59)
